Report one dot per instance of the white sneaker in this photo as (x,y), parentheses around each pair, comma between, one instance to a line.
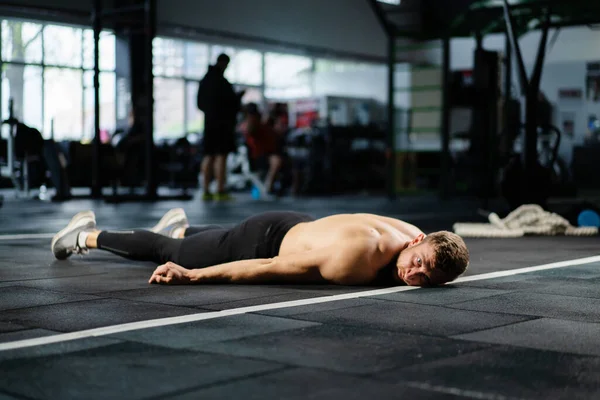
(171,222)
(65,243)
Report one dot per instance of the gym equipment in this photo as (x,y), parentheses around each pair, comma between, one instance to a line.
(31,159)
(240,175)
(588,218)
(8,171)
(532,175)
(528,219)
(476,93)
(550,173)
(23,154)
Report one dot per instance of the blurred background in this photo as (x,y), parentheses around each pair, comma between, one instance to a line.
(491,100)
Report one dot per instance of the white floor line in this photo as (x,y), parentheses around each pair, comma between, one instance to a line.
(109,330)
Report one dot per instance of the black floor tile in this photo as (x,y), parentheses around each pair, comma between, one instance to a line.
(200,296)
(586,271)
(566,336)
(540,305)
(24,334)
(5,396)
(96,284)
(55,349)
(202,334)
(14,297)
(15,272)
(569,287)
(324,289)
(317,307)
(291,296)
(71,317)
(443,295)
(508,373)
(413,318)
(344,349)
(525,282)
(303,384)
(125,370)
(6,327)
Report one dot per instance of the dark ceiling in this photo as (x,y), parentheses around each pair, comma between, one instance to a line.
(433,19)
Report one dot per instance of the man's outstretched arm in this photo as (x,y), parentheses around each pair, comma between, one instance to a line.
(330,264)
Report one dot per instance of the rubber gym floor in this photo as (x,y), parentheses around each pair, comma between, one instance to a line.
(523,322)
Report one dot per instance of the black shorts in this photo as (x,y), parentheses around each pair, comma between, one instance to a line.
(219,138)
(259,236)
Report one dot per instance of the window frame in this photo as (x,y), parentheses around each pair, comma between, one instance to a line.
(44,66)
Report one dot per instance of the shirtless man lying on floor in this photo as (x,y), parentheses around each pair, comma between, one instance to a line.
(279,247)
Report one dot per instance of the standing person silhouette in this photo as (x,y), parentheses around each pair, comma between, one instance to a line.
(220,104)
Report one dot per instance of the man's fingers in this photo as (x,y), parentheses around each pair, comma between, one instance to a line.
(161,269)
(162,274)
(160,279)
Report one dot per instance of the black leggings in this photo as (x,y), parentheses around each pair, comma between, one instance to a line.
(259,236)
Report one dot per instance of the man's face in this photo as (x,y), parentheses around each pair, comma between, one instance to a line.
(416,265)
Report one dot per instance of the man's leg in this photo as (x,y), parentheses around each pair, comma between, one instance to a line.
(204,248)
(221,173)
(175,224)
(136,245)
(192,230)
(208,163)
(275,163)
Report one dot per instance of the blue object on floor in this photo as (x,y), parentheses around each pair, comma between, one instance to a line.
(255,193)
(588,218)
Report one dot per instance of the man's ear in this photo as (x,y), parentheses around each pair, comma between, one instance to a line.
(418,239)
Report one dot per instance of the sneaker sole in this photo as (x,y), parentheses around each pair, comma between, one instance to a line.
(74,223)
(171,217)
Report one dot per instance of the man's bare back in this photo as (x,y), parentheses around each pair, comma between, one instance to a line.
(370,242)
(338,229)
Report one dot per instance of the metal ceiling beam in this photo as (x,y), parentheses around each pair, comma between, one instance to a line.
(510,29)
(383,21)
(541,55)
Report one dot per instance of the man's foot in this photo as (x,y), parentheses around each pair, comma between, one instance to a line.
(171,223)
(65,242)
(223,197)
(207,197)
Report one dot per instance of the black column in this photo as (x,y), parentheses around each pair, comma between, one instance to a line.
(391,116)
(150,32)
(96,189)
(507,82)
(445,175)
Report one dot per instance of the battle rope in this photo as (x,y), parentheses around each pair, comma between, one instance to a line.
(529,219)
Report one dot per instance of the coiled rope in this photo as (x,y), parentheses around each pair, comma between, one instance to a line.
(529,219)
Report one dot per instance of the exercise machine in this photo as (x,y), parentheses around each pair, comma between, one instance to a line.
(552,175)
(30,158)
(240,174)
(9,170)
(24,159)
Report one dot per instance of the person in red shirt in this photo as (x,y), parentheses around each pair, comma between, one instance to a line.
(263,143)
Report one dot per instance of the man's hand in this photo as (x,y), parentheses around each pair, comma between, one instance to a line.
(170,273)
